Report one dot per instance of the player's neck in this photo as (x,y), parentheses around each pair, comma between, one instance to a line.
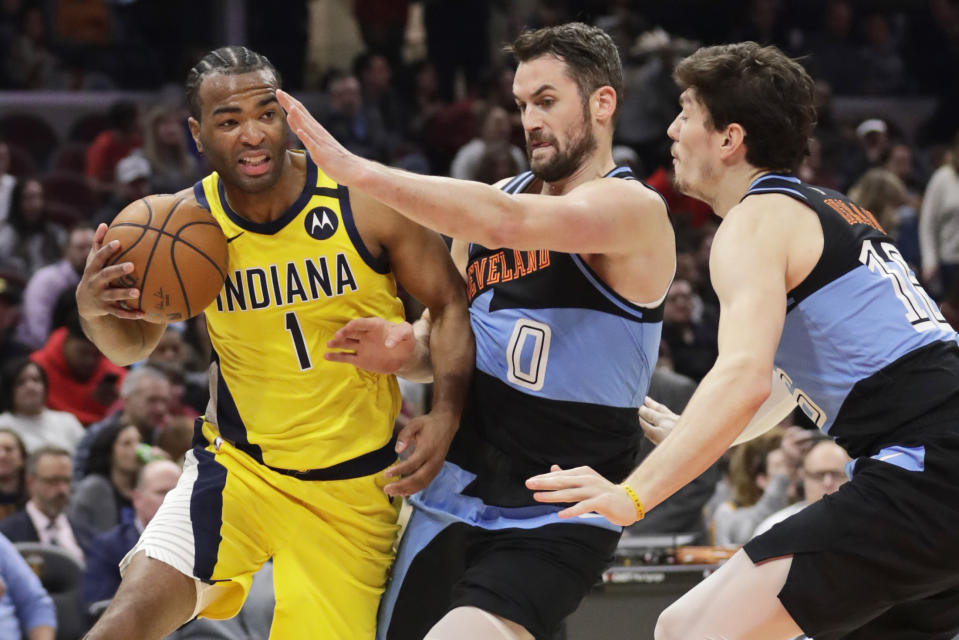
(733,186)
(596,165)
(269,205)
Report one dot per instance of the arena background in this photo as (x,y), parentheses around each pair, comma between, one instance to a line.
(414,83)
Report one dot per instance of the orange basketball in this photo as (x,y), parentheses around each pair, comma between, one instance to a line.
(178,252)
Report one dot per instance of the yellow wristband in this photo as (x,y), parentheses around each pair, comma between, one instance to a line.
(640,512)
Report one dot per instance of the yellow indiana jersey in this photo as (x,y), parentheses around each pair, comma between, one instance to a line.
(291,283)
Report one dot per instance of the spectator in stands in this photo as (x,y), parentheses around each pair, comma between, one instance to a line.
(178,409)
(822,472)
(28,241)
(48,283)
(760,476)
(814,170)
(382,24)
(883,70)
(29,63)
(13,473)
(44,520)
(685,211)
(939,225)
(494,131)
(7,181)
(496,163)
(834,53)
(172,165)
(873,136)
(11,294)
(422,100)
(357,127)
(101,577)
(26,609)
(24,397)
(375,75)
(105,494)
(112,145)
(82,380)
(132,183)
(691,340)
(145,397)
(881,192)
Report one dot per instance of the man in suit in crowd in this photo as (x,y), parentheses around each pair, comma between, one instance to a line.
(44,520)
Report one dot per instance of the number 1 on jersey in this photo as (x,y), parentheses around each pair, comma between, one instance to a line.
(299,344)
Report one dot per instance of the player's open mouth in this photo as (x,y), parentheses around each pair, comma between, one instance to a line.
(254,165)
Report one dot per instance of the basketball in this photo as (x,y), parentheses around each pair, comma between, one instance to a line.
(179,255)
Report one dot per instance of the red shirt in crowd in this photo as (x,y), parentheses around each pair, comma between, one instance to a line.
(66,393)
(679,204)
(105,152)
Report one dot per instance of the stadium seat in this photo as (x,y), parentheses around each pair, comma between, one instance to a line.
(85,128)
(70,157)
(21,162)
(62,577)
(68,188)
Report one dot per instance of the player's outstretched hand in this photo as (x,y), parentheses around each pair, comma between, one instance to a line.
(373,344)
(335,160)
(422,445)
(656,420)
(96,296)
(591,492)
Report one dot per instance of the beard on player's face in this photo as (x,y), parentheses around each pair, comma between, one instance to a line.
(564,160)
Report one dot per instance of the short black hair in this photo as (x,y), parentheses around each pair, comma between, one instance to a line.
(233,59)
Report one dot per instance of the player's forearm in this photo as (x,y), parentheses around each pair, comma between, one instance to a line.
(457,208)
(723,403)
(122,341)
(453,355)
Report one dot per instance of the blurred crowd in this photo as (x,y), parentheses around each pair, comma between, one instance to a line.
(88,449)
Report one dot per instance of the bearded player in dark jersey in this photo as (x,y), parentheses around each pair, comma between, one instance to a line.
(566,267)
(812,288)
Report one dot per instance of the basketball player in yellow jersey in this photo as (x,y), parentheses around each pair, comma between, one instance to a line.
(295,450)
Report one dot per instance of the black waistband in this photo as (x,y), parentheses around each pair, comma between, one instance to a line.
(364,465)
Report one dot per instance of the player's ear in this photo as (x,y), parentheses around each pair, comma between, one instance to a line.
(194,125)
(734,137)
(603,102)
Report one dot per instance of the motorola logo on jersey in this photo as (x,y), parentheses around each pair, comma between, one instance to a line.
(321,223)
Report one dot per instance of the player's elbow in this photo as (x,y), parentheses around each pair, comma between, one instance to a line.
(751,380)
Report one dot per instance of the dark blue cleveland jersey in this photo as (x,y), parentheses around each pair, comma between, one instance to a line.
(562,363)
(864,350)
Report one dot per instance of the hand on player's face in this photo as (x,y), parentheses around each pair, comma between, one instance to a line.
(425,441)
(591,492)
(336,162)
(96,295)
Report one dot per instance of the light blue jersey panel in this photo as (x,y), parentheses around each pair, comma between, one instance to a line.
(571,354)
(830,340)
